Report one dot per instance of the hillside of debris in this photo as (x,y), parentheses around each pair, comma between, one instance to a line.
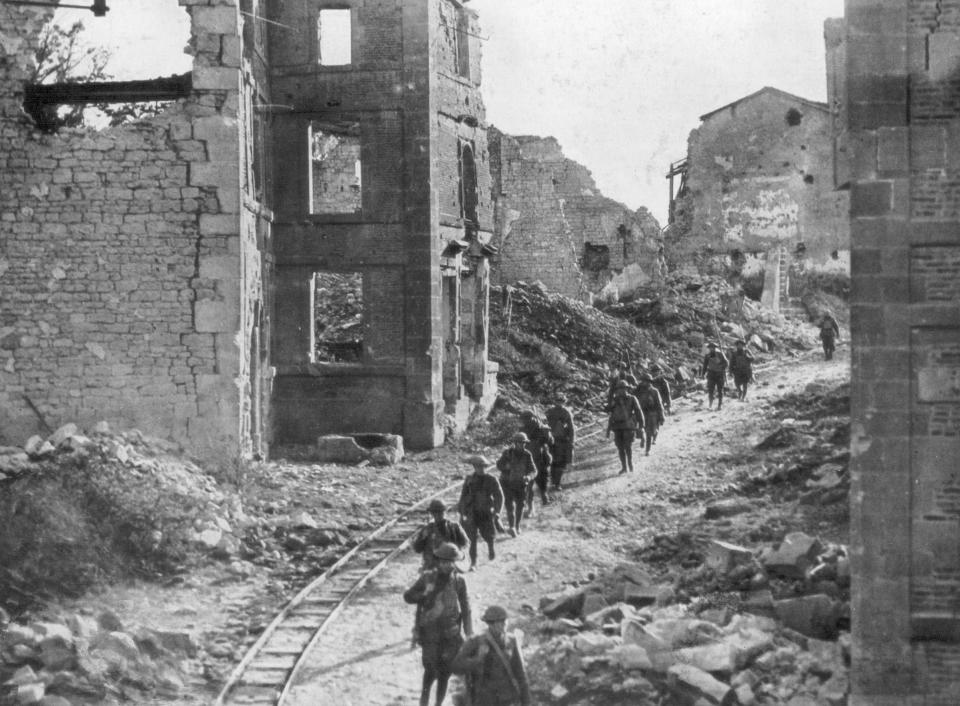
(547,343)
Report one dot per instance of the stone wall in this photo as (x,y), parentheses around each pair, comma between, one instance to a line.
(413,87)
(761,176)
(554,225)
(903,107)
(129,267)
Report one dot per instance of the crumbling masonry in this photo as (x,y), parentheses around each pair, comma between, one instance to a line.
(901,114)
(163,274)
(554,225)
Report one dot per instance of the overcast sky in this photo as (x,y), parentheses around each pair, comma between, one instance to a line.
(620,83)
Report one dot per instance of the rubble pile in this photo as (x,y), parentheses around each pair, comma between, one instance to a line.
(622,639)
(81,659)
(547,343)
(76,507)
(689,310)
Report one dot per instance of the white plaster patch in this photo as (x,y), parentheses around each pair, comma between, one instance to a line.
(10,43)
(724,162)
(770,214)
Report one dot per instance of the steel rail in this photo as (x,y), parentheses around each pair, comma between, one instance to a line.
(269,668)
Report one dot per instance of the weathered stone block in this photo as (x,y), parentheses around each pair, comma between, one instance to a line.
(689,682)
(338,449)
(215,317)
(216,78)
(215,20)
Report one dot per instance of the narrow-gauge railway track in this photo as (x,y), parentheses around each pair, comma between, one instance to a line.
(267,672)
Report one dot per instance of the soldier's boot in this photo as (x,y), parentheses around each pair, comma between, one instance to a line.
(491,554)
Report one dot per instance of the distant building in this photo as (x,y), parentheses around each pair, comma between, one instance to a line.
(760,183)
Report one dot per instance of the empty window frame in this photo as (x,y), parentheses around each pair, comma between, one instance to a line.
(334,37)
(335,168)
(337,317)
(469,196)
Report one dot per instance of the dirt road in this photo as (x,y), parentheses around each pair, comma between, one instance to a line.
(368,661)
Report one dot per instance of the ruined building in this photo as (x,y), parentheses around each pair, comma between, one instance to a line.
(760,183)
(554,225)
(900,113)
(296,246)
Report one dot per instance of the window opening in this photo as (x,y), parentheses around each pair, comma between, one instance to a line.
(334,36)
(468,184)
(462,46)
(335,167)
(337,317)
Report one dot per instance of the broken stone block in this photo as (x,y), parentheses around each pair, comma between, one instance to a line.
(642,596)
(303,519)
(684,632)
(633,573)
(813,616)
(33,445)
(592,643)
(101,427)
(109,622)
(559,691)
(631,657)
(30,693)
(24,675)
(17,634)
(568,604)
(692,683)
(339,449)
(792,557)
(716,658)
(633,632)
(723,556)
(759,602)
(747,645)
(834,690)
(592,602)
(54,700)
(726,508)
(62,434)
(209,538)
(120,643)
(745,695)
(608,614)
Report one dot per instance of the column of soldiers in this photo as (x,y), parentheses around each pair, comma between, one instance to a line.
(636,408)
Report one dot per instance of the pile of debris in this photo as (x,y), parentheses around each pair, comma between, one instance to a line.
(621,639)
(547,343)
(76,507)
(79,659)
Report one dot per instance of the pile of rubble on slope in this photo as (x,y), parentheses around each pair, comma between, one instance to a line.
(618,640)
(545,342)
(690,310)
(79,659)
(76,507)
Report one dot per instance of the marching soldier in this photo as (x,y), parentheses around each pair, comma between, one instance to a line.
(741,367)
(652,406)
(560,421)
(714,368)
(435,533)
(481,500)
(662,385)
(493,665)
(443,617)
(625,421)
(540,439)
(517,470)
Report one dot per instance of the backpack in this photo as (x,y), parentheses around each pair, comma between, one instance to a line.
(622,411)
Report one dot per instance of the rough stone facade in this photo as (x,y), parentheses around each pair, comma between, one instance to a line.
(554,225)
(760,180)
(902,104)
(144,269)
(412,87)
(129,265)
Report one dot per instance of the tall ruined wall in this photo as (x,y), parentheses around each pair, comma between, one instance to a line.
(903,108)
(760,176)
(554,225)
(124,279)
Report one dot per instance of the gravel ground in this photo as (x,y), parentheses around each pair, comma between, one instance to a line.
(367,661)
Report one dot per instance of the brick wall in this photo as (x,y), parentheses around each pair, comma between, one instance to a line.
(128,267)
(903,106)
(548,208)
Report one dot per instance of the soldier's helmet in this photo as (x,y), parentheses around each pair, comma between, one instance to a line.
(560,398)
(494,614)
(646,377)
(711,345)
(741,342)
(478,461)
(527,414)
(436,505)
(519,437)
(630,380)
(448,551)
(655,368)
(621,385)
